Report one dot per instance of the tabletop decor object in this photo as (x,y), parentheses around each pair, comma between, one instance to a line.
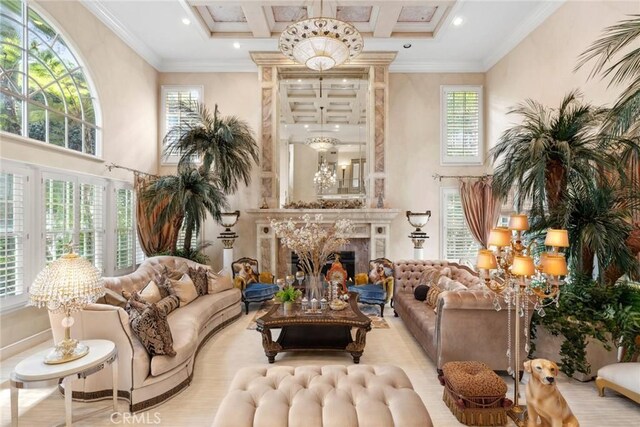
(313,242)
(66,286)
(519,281)
(287,296)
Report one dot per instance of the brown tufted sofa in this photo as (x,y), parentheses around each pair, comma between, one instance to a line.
(143,380)
(466,326)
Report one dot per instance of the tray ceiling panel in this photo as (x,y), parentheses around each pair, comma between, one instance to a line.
(379,19)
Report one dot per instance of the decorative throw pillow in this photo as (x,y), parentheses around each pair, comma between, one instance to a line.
(111,297)
(168,303)
(218,282)
(152,329)
(432,296)
(446,271)
(447,284)
(184,289)
(162,280)
(200,279)
(151,293)
(420,292)
(429,275)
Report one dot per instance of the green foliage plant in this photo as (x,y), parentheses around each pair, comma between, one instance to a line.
(288,294)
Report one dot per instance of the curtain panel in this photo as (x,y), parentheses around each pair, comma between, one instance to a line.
(481,209)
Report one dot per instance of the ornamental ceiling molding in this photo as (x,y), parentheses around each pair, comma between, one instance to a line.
(276,58)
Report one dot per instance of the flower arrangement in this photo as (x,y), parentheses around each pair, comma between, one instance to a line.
(312,241)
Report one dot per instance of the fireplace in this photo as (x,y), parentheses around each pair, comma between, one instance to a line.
(347,258)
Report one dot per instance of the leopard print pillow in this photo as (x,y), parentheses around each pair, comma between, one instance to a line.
(152,329)
(200,280)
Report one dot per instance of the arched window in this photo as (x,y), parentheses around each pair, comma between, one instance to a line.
(44,92)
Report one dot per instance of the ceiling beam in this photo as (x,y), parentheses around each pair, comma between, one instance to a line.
(256,19)
(387,19)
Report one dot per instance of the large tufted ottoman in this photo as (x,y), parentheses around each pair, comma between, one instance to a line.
(475,394)
(314,396)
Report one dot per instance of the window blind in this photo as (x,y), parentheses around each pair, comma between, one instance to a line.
(174,99)
(458,241)
(462,125)
(12,234)
(125,247)
(60,216)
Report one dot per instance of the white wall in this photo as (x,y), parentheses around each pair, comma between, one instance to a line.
(127,90)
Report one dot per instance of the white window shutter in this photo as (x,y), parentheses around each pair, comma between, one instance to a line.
(12,233)
(458,243)
(461,125)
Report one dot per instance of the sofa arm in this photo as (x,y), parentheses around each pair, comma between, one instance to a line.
(387,284)
(469,328)
(101,321)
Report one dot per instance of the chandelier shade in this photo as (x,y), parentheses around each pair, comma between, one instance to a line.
(500,237)
(321,43)
(321,143)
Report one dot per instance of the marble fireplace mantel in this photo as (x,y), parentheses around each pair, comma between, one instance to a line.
(370,225)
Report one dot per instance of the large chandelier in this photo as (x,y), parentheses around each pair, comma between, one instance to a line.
(321,43)
(321,143)
(325,178)
(520,281)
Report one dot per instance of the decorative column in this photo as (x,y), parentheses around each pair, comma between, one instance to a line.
(228,237)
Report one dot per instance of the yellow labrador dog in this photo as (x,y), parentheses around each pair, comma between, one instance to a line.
(543,397)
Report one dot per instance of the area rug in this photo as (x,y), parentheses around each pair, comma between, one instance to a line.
(371,311)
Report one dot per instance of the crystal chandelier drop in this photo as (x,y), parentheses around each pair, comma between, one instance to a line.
(325,178)
(321,43)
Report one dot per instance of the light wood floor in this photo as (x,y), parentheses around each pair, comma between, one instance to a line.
(236,347)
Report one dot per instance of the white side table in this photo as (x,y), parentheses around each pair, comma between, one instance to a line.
(33,373)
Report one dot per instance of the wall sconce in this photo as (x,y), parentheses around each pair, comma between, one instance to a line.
(418,220)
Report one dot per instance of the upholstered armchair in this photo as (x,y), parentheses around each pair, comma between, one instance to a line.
(376,287)
(256,286)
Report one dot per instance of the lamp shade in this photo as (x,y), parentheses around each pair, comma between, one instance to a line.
(523,266)
(67,284)
(518,222)
(500,237)
(555,265)
(486,260)
(557,238)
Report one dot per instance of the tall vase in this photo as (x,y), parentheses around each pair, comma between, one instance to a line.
(314,287)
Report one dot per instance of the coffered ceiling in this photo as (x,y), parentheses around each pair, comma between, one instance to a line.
(217,35)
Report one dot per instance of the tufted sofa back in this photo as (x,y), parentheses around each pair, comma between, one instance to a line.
(407,273)
(149,269)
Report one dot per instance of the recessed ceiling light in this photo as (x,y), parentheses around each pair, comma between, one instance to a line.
(299,80)
(344,80)
(236,45)
(458,20)
(406,45)
(306,126)
(186,21)
(337,126)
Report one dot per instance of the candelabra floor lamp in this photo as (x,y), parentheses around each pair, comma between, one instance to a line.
(511,273)
(418,220)
(228,237)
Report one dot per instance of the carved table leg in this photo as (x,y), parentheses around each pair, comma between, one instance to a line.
(271,348)
(356,348)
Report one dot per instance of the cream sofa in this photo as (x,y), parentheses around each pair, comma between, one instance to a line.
(466,326)
(143,380)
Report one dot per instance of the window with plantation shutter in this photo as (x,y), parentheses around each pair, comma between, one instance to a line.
(73,211)
(125,252)
(181,235)
(12,234)
(173,99)
(457,241)
(461,133)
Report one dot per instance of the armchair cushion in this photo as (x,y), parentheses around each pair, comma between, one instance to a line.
(259,291)
(361,279)
(265,277)
(370,292)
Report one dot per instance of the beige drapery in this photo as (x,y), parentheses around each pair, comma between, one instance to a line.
(153,242)
(481,209)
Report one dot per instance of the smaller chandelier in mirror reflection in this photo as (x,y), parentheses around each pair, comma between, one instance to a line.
(325,178)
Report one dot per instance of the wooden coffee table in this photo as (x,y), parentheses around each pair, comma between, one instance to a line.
(328,331)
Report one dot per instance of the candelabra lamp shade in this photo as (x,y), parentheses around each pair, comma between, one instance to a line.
(67,285)
(486,260)
(555,265)
(523,266)
(557,238)
(500,237)
(518,222)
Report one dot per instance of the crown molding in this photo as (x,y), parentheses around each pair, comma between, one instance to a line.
(208,66)
(437,67)
(546,9)
(107,18)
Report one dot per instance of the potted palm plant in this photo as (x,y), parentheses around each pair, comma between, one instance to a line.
(216,155)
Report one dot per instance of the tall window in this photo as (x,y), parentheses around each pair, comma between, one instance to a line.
(461,139)
(12,232)
(44,92)
(457,241)
(125,230)
(173,114)
(74,213)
